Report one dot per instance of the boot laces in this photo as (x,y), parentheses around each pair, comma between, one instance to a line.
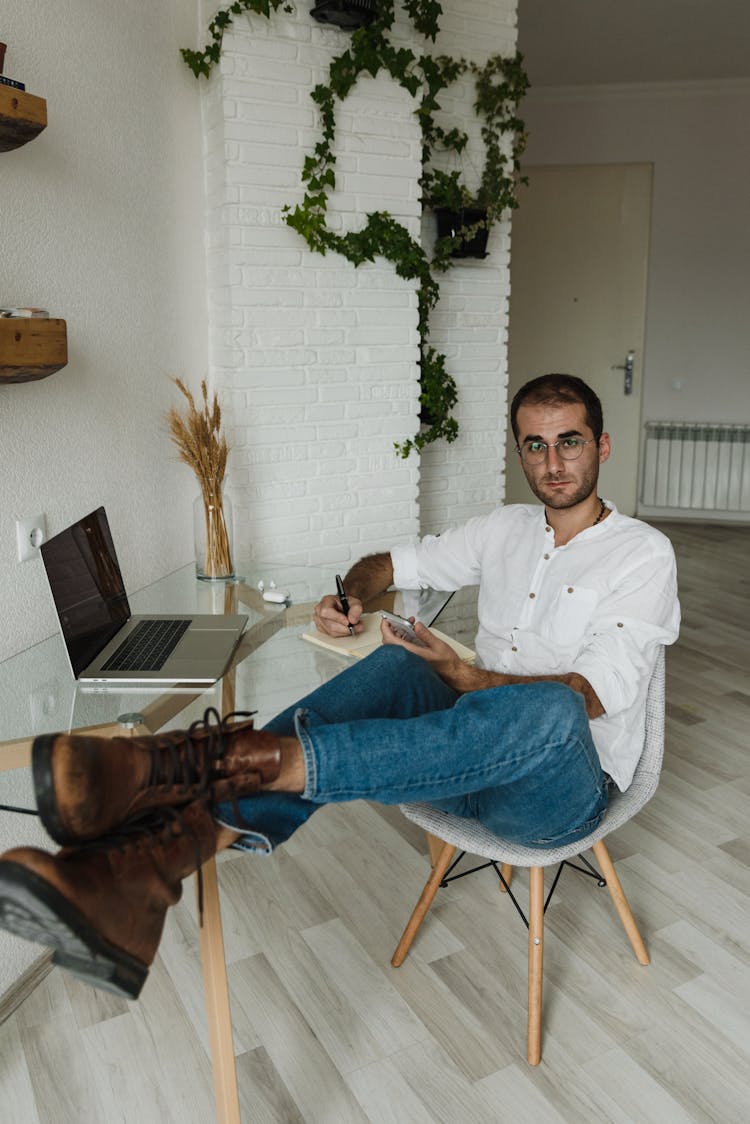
(186,758)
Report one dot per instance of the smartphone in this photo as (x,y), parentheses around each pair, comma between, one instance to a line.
(402,627)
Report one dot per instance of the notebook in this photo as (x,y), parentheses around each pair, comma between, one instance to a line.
(361,645)
(105,642)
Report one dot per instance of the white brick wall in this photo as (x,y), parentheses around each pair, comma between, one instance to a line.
(316,360)
(470,323)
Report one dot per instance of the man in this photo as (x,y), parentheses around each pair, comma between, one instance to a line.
(574,602)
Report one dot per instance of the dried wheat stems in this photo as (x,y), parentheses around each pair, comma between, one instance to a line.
(203,447)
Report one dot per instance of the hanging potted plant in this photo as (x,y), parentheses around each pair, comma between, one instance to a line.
(465,218)
(348,14)
(462,220)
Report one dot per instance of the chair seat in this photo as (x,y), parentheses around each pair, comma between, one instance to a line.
(470,835)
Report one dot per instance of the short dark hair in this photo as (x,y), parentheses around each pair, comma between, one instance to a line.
(559,390)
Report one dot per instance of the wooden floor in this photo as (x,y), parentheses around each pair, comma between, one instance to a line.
(326,1030)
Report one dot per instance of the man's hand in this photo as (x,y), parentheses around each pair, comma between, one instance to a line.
(367,578)
(463,677)
(329,617)
(441,657)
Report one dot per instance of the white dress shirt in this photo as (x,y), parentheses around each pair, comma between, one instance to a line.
(600,605)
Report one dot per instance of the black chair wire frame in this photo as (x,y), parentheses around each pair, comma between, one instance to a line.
(587,869)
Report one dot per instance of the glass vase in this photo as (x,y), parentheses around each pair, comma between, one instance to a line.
(212,526)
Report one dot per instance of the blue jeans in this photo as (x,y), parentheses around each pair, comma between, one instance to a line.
(520,759)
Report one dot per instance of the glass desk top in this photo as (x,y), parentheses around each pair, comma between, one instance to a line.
(272,668)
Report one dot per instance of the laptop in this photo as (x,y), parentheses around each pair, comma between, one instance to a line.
(104,641)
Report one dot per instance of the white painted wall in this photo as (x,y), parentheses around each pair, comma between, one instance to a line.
(696,364)
(101,222)
(470,324)
(316,360)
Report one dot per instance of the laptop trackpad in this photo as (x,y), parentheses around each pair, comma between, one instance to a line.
(203,644)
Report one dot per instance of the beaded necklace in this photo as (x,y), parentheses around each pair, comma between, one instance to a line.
(602,510)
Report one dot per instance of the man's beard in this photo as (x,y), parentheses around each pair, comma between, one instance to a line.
(560,501)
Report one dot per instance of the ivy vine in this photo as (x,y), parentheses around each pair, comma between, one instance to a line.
(202,62)
(500,84)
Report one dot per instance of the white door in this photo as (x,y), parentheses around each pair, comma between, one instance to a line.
(579,259)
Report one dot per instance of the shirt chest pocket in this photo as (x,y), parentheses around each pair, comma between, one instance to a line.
(568,616)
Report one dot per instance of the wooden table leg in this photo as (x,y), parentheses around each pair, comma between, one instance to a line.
(213,961)
(218,1011)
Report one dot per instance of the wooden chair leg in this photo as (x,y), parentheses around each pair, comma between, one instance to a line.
(424,903)
(435,847)
(536,963)
(507,872)
(621,902)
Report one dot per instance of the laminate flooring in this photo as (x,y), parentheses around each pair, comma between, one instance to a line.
(326,1031)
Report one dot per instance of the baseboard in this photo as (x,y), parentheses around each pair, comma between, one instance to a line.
(24,985)
(691,515)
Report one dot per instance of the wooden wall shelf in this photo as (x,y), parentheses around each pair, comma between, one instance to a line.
(31,348)
(22,117)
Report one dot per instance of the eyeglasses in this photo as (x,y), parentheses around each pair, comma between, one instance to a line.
(569,448)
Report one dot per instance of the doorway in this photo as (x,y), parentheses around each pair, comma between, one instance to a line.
(578,273)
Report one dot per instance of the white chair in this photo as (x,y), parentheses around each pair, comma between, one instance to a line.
(456,833)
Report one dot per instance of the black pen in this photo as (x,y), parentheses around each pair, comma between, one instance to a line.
(343,600)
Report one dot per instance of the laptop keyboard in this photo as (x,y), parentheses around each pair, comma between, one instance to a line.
(147,646)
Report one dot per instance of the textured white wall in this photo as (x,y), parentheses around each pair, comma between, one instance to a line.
(316,359)
(101,222)
(470,324)
(697,326)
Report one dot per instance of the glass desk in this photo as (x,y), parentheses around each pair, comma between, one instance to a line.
(272,668)
(39,695)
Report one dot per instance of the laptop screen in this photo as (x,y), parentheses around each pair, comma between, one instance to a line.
(87,587)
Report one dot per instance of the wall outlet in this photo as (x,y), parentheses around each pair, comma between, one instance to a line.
(30,534)
(44,704)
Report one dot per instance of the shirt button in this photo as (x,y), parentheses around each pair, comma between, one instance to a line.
(570,589)
(532,595)
(514,648)
(548,529)
(546,557)
(620,624)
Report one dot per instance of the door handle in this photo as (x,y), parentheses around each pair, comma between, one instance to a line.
(627,367)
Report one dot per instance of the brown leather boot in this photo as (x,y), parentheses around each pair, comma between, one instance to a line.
(86,786)
(102,906)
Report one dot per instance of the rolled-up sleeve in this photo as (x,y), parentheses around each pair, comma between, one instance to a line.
(448,561)
(405,570)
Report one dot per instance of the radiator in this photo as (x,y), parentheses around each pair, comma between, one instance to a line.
(697,466)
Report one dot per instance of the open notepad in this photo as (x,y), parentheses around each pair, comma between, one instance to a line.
(359,646)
